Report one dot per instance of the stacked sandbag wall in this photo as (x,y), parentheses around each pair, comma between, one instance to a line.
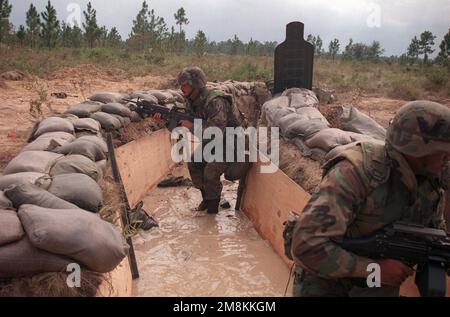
(296,113)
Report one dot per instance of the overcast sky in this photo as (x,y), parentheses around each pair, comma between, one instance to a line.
(392,22)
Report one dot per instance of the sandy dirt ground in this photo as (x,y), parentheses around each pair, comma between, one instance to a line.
(78,83)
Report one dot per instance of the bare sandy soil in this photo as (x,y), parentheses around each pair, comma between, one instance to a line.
(78,83)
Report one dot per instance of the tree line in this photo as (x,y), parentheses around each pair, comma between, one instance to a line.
(150,31)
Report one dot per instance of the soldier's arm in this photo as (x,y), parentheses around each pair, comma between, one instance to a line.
(217,115)
(326,216)
(438,221)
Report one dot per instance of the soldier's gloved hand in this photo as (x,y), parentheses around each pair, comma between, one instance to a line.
(394,272)
(157,116)
(187,124)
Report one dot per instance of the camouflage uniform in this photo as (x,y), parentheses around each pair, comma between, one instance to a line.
(217,110)
(364,189)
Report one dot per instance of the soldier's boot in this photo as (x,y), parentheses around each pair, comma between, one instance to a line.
(203,205)
(213,206)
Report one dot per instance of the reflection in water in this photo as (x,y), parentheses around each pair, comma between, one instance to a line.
(195,254)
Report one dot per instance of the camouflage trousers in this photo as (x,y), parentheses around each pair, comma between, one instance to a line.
(206,177)
(309,285)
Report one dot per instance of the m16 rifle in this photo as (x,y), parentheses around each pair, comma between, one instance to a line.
(173,115)
(427,248)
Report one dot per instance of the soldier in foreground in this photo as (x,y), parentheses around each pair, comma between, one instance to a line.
(366,188)
(217,109)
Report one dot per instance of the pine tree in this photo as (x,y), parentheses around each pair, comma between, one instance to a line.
(33,26)
(49,26)
(200,43)
(333,48)
(103,36)
(21,33)
(5,27)
(114,39)
(92,32)
(444,54)
(426,43)
(66,35)
(236,44)
(413,50)
(180,18)
(319,44)
(374,51)
(138,36)
(76,38)
(157,29)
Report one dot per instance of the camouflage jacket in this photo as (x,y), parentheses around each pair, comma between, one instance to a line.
(363,189)
(217,109)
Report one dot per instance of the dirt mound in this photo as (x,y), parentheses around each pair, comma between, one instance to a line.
(137,130)
(88,71)
(3,85)
(333,115)
(13,75)
(304,171)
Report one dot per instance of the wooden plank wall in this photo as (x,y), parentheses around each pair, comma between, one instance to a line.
(267,201)
(143,163)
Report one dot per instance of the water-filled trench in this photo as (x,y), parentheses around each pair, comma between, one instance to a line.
(194,254)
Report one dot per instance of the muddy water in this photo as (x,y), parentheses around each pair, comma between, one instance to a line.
(195,254)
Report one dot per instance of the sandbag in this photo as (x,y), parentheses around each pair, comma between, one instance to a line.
(123,122)
(163,97)
(86,124)
(328,139)
(81,147)
(311,113)
(11,228)
(77,234)
(287,120)
(34,195)
(304,128)
(304,100)
(71,164)
(107,121)
(32,161)
(116,108)
(101,167)
(59,136)
(96,140)
(21,258)
(5,203)
(85,109)
(315,154)
(177,95)
(78,189)
(54,124)
(48,141)
(339,149)
(135,117)
(45,144)
(19,178)
(271,107)
(354,120)
(144,96)
(108,97)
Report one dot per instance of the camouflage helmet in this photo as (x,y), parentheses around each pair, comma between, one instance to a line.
(193,76)
(420,128)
